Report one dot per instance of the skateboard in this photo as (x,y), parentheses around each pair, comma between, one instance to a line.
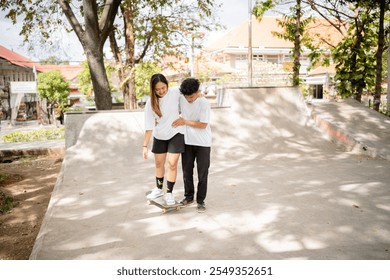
(160,203)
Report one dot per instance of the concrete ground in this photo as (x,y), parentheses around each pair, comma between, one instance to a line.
(287,181)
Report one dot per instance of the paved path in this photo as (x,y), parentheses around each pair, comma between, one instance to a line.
(279,188)
(8,151)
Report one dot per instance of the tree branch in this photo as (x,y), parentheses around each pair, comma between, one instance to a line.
(72,19)
(108,16)
(332,11)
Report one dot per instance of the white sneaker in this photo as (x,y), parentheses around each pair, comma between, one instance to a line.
(156,192)
(169,199)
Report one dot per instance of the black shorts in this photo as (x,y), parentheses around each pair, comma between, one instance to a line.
(175,145)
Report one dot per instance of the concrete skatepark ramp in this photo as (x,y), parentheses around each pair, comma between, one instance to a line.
(278,189)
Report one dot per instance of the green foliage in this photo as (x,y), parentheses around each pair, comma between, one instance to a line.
(53,86)
(289,26)
(3,177)
(161,28)
(53,61)
(294,25)
(143,72)
(355,57)
(204,76)
(36,135)
(261,8)
(36,16)
(6,202)
(85,80)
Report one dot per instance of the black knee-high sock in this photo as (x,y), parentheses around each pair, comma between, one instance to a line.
(170,186)
(159,182)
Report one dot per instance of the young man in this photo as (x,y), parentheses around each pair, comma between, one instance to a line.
(196,118)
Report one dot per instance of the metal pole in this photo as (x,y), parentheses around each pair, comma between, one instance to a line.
(250,57)
(192,54)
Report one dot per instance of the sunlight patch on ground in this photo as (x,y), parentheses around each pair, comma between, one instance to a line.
(359,188)
(383,207)
(286,243)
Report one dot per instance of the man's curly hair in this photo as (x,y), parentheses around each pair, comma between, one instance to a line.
(189,86)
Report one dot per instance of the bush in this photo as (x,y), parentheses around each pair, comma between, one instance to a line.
(36,135)
(6,203)
(3,177)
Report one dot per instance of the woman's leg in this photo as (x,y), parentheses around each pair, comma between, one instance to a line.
(173,160)
(159,160)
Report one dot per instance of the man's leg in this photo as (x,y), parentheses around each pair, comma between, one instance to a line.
(187,161)
(203,164)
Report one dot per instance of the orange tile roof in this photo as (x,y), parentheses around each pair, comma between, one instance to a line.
(70,72)
(331,69)
(262,34)
(17,59)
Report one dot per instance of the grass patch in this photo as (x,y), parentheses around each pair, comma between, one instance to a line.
(6,202)
(3,177)
(36,135)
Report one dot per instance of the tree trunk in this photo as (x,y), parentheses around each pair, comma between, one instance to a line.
(297,45)
(358,94)
(45,116)
(118,59)
(379,55)
(99,79)
(359,84)
(92,39)
(129,84)
(388,79)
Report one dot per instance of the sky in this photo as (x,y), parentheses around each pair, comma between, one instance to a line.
(231,14)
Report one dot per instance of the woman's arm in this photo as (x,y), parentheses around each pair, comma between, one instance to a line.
(148,135)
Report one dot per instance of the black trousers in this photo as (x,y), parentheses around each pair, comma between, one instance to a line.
(202,157)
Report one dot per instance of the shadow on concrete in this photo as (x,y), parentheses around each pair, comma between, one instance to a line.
(278,189)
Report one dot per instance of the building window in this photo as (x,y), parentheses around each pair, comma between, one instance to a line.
(287,58)
(241,57)
(258,57)
(317,91)
(272,58)
(304,58)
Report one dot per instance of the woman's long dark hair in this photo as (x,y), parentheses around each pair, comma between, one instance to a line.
(153,96)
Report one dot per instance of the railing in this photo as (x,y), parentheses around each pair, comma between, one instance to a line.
(261,80)
(221,99)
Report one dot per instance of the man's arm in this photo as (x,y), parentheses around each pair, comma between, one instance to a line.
(195,124)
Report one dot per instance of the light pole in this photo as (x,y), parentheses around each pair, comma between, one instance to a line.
(192,54)
(194,36)
(250,57)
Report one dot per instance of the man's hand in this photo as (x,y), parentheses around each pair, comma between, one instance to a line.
(179,122)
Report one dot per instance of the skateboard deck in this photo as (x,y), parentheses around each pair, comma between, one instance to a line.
(160,203)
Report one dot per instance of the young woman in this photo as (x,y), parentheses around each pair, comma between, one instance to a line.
(161,110)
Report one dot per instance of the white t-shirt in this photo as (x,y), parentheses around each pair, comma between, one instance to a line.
(169,106)
(199,111)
